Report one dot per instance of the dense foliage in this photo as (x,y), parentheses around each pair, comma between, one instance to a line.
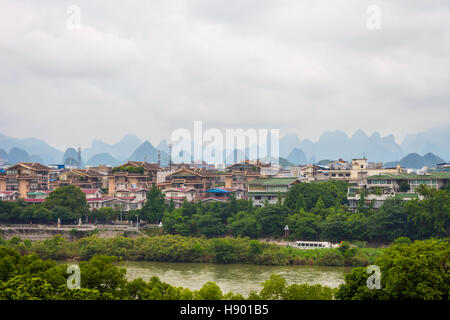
(316,211)
(418,270)
(409,271)
(176,248)
(28,277)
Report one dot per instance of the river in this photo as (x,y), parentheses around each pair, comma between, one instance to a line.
(238,278)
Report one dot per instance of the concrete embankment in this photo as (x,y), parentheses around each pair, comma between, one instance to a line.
(69,232)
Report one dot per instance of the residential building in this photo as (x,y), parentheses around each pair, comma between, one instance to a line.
(199,179)
(262,190)
(223,194)
(378,188)
(132,174)
(9,195)
(25,177)
(82,178)
(239,175)
(357,170)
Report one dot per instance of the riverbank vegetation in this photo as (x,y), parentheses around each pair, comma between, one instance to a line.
(24,277)
(416,270)
(176,248)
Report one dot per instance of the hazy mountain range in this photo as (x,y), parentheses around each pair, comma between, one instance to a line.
(415,161)
(331,145)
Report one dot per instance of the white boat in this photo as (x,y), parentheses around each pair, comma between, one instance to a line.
(312,244)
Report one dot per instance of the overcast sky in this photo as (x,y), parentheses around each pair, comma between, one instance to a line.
(149,67)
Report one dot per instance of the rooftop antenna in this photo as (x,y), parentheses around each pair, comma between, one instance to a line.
(79,156)
(159,157)
(170,155)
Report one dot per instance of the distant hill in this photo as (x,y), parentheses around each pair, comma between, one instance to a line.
(163,146)
(102,158)
(147,152)
(120,150)
(3,155)
(297,157)
(324,162)
(36,158)
(415,161)
(285,163)
(337,144)
(70,158)
(17,155)
(434,140)
(288,143)
(32,146)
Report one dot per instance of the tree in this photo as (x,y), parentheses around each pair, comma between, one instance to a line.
(209,223)
(209,291)
(174,223)
(72,199)
(42,214)
(155,206)
(101,274)
(244,224)
(404,186)
(273,288)
(26,288)
(306,291)
(417,271)
(304,226)
(272,219)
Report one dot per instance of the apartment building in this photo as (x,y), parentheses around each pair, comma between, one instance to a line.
(132,175)
(83,178)
(25,177)
(239,175)
(378,188)
(195,178)
(262,190)
(356,170)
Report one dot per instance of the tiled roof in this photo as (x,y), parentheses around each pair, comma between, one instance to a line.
(272,181)
(401,176)
(91,191)
(180,189)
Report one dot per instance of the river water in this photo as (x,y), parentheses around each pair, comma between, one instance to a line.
(238,278)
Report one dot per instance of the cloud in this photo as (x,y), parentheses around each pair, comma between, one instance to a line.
(302,66)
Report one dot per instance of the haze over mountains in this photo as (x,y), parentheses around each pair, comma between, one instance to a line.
(331,145)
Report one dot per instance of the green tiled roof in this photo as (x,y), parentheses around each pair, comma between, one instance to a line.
(406,196)
(402,176)
(271,181)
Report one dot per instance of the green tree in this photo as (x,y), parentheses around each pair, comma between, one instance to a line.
(272,219)
(404,186)
(304,226)
(210,291)
(273,288)
(154,206)
(244,224)
(72,199)
(306,291)
(417,271)
(101,274)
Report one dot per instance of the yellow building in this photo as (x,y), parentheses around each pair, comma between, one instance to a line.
(25,177)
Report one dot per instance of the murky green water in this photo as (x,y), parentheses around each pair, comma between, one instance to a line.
(237,278)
